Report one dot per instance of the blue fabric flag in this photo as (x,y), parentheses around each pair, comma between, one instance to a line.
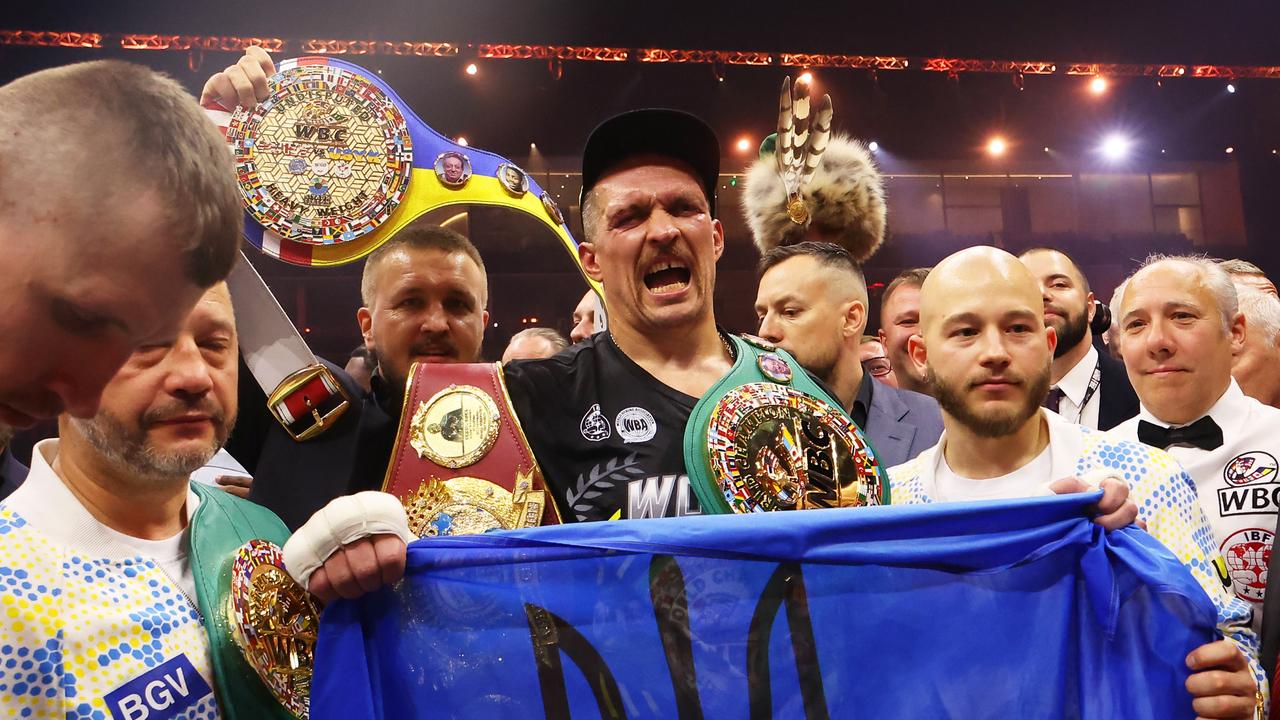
(974,610)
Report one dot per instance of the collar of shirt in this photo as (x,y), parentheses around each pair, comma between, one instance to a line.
(48,504)
(1230,412)
(1076,382)
(862,401)
(1066,444)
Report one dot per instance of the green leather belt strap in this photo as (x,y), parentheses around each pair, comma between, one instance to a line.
(754,358)
(221,524)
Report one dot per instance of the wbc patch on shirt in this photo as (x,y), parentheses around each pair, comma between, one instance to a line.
(1252,488)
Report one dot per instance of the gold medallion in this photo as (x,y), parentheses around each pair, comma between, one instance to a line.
(470,506)
(797,212)
(456,427)
(274,622)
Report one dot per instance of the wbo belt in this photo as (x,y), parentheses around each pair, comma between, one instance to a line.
(461,463)
(768,437)
(330,165)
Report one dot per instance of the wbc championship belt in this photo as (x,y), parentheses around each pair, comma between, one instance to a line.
(330,165)
(767,437)
(461,463)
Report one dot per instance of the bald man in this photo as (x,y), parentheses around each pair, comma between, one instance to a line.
(986,352)
(118,207)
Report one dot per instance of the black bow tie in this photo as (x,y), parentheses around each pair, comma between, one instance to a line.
(1203,433)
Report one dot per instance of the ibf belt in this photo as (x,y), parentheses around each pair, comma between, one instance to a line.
(767,437)
(461,463)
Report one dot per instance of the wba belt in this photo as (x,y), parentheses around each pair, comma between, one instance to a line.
(767,437)
(461,463)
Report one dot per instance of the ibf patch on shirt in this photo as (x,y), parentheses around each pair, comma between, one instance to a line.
(1251,485)
(161,693)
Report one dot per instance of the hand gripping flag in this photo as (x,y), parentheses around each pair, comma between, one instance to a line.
(977,610)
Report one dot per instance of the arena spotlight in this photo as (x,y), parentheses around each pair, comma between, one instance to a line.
(996,146)
(1231,87)
(472,69)
(1098,85)
(462,141)
(743,144)
(1115,147)
(873,146)
(1230,149)
(805,77)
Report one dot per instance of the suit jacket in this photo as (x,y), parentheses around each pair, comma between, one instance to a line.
(12,473)
(901,424)
(1117,401)
(295,479)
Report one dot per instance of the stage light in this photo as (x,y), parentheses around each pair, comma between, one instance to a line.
(462,141)
(1115,146)
(1231,88)
(1230,149)
(743,144)
(533,146)
(1098,85)
(1046,148)
(996,146)
(873,146)
(805,77)
(472,69)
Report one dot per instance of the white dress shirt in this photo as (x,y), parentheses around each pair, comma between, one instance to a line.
(1238,484)
(1074,385)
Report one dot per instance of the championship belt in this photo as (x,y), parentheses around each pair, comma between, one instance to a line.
(767,437)
(330,165)
(461,463)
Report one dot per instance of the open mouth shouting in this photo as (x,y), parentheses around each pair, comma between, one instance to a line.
(667,277)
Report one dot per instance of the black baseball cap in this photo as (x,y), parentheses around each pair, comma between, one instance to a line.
(653,131)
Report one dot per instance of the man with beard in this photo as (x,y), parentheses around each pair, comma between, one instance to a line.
(424,294)
(986,350)
(1085,386)
(12,472)
(812,302)
(899,318)
(109,554)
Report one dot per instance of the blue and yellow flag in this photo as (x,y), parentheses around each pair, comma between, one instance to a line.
(976,610)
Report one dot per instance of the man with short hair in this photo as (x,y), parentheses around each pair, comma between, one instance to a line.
(1086,387)
(1243,272)
(1180,326)
(812,302)
(118,207)
(1256,367)
(875,360)
(899,317)
(534,343)
(986,349)
(122,557)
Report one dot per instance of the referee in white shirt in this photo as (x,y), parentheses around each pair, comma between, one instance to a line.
(1179,325)
(1086,387)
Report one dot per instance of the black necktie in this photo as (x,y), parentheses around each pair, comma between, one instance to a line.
(1203,433)
(1055,399)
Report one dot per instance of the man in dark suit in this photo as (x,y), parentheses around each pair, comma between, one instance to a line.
(812,301)
(12,472)
(1088,387)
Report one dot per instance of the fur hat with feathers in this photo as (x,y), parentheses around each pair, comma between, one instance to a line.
(845,200)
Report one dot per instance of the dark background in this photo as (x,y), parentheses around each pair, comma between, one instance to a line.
(916,116)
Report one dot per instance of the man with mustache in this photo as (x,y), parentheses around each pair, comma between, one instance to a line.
(118,208)
(115,587)
(1085,386)
(986,350)
(1180,325)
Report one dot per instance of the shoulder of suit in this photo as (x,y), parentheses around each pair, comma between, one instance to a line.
(910,398)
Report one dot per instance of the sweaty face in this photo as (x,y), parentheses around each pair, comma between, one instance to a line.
(985,346)
(800,311)
(584,318)
(1067,307)
(656,247)
(172,405)
(428,306)
(1175,348)
(79,294)
(899,320)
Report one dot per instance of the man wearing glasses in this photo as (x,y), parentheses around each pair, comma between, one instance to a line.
(812,302)
(875,360)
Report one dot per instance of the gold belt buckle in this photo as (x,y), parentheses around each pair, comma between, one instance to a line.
(308,402)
